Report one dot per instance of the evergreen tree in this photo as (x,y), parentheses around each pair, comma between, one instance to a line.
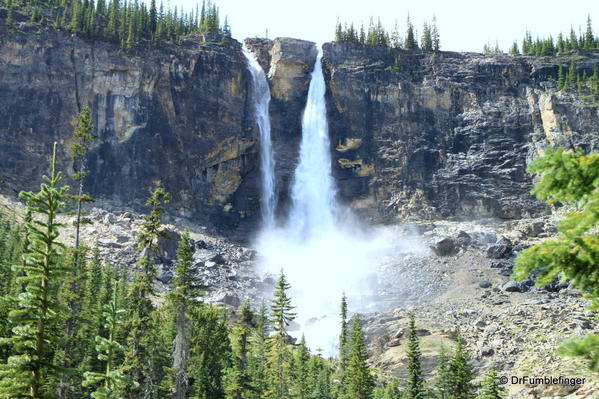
(33,341)
(410,41)
(443,382)
(113,380)
(238,378)
(570,178)
(461,372)
(426,39)
(415,385)
(281,315)
(257,363)
(344,335)
(358,379)
(301,387)
(210,352)
(514,49)
(589,38)
(561,78)
(490,389)
(186,289)
(82,136)
(140,362)
(435,35)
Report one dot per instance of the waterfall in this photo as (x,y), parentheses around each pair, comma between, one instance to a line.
(313,189)
(261,100)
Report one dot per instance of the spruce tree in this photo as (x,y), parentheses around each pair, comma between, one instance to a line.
(426,39)
(410,41)
(461,372)
(415,383)
(257,363)
(344,334)
(490,389)
(443,382)
(238,378)
(570,178)
(281,315)
(359,381)
(33,342)
(435,35)
(184,295)
(82,137)
(300,372)
(113,381)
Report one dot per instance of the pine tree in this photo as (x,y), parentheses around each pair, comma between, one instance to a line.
(186,290)
(435,35)
(358,379)
(257,363)
(153,22)
(211,352)
(570,178)
(426,39)
(238,378)
(139,360)
(589,38)
(461,372)
(490,389)
(33,341)
(571,76)
(514,49)
(301,388)
(281,315)
(113,380)
(410,42)
(344,335)
(82,136)
(443,382)
(415,384)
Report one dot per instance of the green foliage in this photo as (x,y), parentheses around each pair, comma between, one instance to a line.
(37,312)
(571,178)
(490,389)
(410,42)
(547,47)
(358,379)
(129,24)
(113,380)
(461,372)
(415,386)
(238,379)
(443,381)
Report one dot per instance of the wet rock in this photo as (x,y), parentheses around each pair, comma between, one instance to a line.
(484,284)
(500,250)
(513,286)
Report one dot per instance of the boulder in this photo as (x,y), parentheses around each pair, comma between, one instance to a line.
(513,286)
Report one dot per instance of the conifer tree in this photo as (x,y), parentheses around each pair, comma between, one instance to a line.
(443,382)
(358,379)
(300,372)
(281,315)
(415,384)
(435,35)
(589,38)
(33,343)
(186,289)
(410,42)
(113,381)
(139,361)
(257,364)
(344,335)
(569,178)
(490,389)
(82,136)
(426,39)
(461,372)
(211,352)
(238,378)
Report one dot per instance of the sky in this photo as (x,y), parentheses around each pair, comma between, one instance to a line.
(464,25)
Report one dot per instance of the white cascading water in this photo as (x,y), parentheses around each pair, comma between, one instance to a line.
(313,191)
(261,99)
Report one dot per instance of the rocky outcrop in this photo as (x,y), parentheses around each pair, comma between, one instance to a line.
(175,117)
(448,134)
(289,63)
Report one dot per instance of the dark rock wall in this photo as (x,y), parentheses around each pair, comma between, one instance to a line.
(447,135)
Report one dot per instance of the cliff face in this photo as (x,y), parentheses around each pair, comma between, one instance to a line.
(447,135)
(177,118)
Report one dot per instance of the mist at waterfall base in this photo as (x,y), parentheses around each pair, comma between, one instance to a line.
(323,250)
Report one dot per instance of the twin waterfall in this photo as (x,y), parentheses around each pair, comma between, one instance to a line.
(321,256)
(261,97)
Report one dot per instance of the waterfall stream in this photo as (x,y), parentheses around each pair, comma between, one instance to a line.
(261,100)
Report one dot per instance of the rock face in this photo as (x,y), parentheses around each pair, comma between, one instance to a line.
(175,117)
(447,135)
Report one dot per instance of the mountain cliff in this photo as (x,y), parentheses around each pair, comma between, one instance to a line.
(442,135)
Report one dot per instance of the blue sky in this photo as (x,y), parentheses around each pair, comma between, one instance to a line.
(464,25)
